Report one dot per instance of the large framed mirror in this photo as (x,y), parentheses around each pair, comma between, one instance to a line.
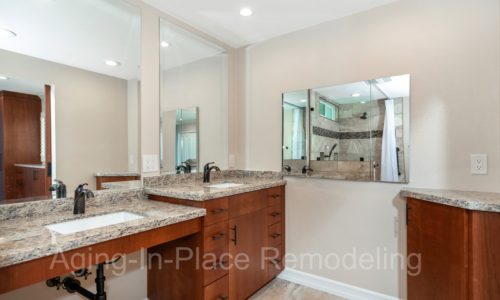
(68,113)
(194,88)
(357,131)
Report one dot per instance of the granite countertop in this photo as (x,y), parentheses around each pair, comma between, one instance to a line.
(199,191)
(23,236)
(116,174)
(119,185)
(482,201)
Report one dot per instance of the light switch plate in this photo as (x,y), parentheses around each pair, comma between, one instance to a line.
(479,164)
(150,163)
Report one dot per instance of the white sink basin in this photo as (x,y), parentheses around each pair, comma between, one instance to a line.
(226,185)
(92,222)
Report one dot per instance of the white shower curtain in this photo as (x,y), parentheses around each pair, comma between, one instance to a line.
(298,134)
(389,161)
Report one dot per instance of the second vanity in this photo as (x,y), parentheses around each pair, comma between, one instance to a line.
(178,215)
(241,243)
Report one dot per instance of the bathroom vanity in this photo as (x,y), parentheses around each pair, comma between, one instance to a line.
(239,213)
(243,222)
(30,253)
(456,235)
(105,177)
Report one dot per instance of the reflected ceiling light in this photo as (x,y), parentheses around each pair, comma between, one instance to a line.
(112,63)
(246,12)
(356,95)
(363,102)
(165,44)
(303,100)
(5,33)
(3,77)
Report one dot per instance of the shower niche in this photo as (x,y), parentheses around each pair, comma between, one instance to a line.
(357,131)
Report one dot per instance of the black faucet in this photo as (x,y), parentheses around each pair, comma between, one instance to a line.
(60,188)
(287,168)
(183,167)
(206,171)
(81,194)
(305,169)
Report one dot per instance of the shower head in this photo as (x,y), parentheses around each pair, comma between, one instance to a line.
(364,116)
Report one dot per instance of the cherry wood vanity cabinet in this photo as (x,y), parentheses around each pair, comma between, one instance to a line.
(251,224)
(459,252)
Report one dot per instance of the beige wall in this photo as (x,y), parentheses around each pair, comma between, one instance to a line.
(91,116)
(451,50)
(201,84)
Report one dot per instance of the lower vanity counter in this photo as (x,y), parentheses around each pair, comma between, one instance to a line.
(28,250)
(453,244)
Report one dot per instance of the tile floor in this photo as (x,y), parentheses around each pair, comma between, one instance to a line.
(279,289)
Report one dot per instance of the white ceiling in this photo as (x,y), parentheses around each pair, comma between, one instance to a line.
(23,86)
(78,33)
(221,18)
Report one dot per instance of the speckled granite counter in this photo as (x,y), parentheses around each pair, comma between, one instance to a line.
(481,201)
(191,186)
(121,185)
(23,236)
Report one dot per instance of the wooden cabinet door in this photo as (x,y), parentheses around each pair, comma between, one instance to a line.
(247,239)
(439,234)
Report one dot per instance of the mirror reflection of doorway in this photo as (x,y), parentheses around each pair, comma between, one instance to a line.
(25,140)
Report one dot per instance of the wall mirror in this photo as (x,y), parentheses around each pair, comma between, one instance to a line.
(357,131)
(68,112)
(193,73)
(181,126)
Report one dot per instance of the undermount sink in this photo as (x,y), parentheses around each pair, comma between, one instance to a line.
(226,185)
(93,222)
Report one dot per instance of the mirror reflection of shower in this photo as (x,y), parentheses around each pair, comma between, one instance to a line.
(294,130)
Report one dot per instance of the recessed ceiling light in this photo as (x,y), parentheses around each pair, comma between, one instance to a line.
(356,95)
(5,33)
(363,102)
(303,100)
(246,12)
(165,44)
(3,77)
(113,63)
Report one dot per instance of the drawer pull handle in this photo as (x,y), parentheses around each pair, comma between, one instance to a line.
(218,211)
(223,298)
(235,230)
(219,264)
(275,235)
(218,236)
(275,214)
(275,196)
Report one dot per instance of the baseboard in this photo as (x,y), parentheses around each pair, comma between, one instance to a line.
(331,286)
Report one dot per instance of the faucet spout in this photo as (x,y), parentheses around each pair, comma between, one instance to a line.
(81,194)
(206,171)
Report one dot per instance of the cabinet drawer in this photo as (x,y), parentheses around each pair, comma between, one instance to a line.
(219,290)
(274,261)
(215,265)
(274,214)
(215,236)
(217,211)
(274,236)
(274,196)
(246,203)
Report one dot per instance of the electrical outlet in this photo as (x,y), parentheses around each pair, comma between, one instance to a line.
(479,164)
(150,163)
